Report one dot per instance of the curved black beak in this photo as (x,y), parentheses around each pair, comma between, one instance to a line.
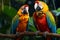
(38,8)
(24,11)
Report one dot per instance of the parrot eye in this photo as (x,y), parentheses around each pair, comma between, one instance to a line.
(22,8)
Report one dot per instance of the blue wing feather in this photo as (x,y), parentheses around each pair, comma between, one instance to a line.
(51,24)
(14,25)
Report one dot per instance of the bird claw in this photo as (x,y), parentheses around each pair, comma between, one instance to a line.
(36,33)
(45,34)
(17,34)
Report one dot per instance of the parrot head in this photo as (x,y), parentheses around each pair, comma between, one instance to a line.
(23,9)
(23,13)
(40,8)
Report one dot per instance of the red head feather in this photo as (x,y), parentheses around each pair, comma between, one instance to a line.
(26,5)
(37,2)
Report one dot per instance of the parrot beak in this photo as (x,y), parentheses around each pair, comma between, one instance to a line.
(25,11)
(37,7)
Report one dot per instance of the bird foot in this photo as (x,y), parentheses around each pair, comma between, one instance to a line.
(17,34)
(45,34)
(36,33)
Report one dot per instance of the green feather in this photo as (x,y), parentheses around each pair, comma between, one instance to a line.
(14,19)
(51,17)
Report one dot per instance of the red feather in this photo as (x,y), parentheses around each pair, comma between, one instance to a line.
(41,24)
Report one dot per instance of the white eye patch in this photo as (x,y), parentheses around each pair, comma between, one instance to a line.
(27,8)
(40,5)
(35,6)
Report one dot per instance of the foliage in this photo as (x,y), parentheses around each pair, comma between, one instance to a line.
(58,30)
(10,12)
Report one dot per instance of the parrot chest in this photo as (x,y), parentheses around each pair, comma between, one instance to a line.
(22,26)
(22,23)
(41,23)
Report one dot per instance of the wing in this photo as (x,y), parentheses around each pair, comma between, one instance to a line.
(51,22)
(14,24)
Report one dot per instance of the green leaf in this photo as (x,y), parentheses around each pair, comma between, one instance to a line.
(58,9)
(31,25)
(58,31)
(10,12)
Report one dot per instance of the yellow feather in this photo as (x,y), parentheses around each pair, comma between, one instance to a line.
(51,17)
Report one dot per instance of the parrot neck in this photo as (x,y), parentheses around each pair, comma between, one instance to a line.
(40,16)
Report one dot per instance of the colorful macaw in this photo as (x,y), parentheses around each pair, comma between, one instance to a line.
(20,21)
(44,19)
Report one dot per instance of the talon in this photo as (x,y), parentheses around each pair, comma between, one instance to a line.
(17,34)
(45,34)
(36,33)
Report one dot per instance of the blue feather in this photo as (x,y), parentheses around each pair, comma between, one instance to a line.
(14,26)
(51,26)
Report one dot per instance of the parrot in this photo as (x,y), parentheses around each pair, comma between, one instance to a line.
(43,19)
(20,21)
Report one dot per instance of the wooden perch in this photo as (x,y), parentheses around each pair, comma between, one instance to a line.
(27,34)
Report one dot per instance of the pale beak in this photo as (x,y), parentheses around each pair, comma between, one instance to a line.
(35,6)
(38,7)
(25,11)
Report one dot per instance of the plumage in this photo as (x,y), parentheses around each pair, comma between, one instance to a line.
(20,21)
(14,24)
(43,18)
(51,22)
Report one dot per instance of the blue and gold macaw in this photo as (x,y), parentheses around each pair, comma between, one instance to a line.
(20,21)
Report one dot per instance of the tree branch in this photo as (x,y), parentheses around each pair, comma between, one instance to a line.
(27,34)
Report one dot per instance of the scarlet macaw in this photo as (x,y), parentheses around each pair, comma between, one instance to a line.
(43,18)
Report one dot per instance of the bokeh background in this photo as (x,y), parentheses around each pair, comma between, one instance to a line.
(9,8)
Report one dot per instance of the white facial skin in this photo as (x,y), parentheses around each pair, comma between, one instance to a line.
(27,8)
(36,4)
(40,5)
(24,17)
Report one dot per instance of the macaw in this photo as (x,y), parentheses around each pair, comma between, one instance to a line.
(44,19)
(20,21)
